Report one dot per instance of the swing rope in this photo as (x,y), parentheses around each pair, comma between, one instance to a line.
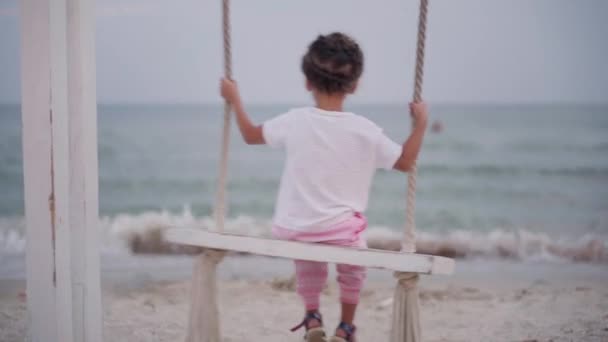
(405,326)
(220,200)
(204,320)
(409,237)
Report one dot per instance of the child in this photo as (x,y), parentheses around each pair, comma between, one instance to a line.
(332,156)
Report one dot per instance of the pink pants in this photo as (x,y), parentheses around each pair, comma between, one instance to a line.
(311,276)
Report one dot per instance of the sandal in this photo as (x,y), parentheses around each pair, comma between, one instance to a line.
(348,329)
(316,334)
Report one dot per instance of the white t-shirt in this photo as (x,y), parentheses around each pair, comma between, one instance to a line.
(331,160)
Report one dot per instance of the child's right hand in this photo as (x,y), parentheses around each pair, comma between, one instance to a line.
(419,112)
(229,91)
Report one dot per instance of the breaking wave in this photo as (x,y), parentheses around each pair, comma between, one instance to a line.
(143,234)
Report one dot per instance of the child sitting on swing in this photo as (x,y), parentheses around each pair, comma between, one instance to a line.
(331,158)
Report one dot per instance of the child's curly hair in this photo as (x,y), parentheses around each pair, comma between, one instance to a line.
(333,63)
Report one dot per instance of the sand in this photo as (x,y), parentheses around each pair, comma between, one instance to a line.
(525,303)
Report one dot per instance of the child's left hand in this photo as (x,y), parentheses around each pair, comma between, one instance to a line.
(229,91)
(419,112)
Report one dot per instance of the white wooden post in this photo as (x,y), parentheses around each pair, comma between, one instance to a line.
(58,101)
(46,170)
(84,202)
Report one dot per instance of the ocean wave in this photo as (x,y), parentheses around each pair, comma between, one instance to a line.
(453,146)
(538,146)
(600,147)
(513,170)
(12,235)
(503,244)
(143,234)
(555,147)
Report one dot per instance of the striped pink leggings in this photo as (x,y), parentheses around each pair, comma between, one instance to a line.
(311,276)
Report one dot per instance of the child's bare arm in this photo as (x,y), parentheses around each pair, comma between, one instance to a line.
(412,145)
(252,134)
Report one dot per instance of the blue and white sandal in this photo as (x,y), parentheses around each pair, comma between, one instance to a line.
(316,334)
(348,329)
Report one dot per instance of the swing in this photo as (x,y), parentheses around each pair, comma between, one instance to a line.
(204,319)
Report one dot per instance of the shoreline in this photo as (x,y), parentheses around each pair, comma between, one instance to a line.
(126,268)
(483,301)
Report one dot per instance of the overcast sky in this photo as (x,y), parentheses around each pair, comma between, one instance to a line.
(478,50)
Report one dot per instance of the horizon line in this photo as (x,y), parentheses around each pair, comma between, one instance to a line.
(356,103)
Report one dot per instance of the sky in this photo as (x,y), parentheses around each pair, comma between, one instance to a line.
(478,51)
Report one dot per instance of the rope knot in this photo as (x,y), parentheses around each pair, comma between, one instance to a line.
(214,255)
(406,279)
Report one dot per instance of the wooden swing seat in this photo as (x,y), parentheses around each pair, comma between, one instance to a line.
(372,258)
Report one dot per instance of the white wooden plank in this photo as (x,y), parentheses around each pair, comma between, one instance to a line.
(397,261)
(46,155)
(86,292)
(60,164)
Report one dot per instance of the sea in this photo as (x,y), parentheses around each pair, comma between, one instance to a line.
(528,183)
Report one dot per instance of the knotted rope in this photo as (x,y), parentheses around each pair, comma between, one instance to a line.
(408,244)
(204,321)
(214,256)
(406,279)
(220,199)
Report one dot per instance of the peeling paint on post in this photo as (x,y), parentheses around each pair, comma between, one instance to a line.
(60,170)
(45,159)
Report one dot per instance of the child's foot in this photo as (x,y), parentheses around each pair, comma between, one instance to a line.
(344,333)
(313,322)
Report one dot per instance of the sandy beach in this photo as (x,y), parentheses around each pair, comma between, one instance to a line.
(484,301)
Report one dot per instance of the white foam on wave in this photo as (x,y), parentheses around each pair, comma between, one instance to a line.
(142,233)
(12,239)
